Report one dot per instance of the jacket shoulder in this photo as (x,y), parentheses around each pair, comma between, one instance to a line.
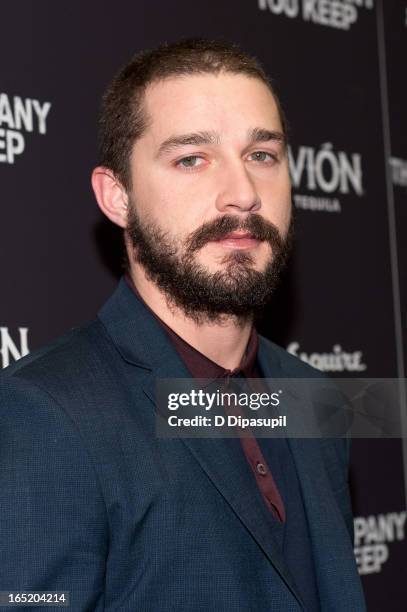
(291,364)
(78,375)
(67,354)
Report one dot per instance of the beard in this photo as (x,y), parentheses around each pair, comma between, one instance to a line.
(238,289)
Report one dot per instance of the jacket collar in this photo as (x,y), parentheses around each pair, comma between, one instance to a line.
(136,333)
(130,324)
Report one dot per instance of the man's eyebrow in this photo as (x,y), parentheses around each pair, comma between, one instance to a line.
(195,138)
(213,138)
(263,135)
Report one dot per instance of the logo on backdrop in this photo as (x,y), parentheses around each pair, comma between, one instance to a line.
(339,14)
(373,535)
(12,349)
(19,117)
(337,360)
(325,175)
(399,171)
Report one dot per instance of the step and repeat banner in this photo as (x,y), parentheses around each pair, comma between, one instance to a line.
(338,67)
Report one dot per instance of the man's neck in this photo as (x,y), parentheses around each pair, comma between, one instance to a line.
(224,341)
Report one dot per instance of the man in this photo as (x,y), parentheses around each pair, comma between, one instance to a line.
(193,166)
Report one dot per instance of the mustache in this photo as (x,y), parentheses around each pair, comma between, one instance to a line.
(259,228)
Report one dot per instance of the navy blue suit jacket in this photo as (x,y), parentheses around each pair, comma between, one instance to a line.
(92,502)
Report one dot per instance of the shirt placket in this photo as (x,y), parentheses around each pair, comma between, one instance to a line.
(256,461)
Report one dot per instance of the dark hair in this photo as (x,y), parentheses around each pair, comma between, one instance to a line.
(122,118)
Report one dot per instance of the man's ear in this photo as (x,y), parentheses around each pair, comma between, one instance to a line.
(110,195)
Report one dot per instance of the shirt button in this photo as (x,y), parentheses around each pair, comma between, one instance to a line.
(261,469)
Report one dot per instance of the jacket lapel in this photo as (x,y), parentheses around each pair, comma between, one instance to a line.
(339,585)
(141,341)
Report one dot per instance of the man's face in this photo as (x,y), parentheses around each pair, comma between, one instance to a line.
(210,205)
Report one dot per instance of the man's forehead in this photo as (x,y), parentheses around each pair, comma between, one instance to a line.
(212,102)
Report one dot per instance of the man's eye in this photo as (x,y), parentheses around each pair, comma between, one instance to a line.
(262,156)
(191,161)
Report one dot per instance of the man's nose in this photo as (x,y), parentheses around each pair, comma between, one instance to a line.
(237,190)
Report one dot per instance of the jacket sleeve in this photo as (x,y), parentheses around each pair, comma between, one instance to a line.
(337,455)
(53,533)
(350,524)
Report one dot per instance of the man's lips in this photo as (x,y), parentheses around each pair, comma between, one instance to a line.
(237,235)
(238,240)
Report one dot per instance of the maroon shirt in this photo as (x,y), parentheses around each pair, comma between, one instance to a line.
(201,366)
